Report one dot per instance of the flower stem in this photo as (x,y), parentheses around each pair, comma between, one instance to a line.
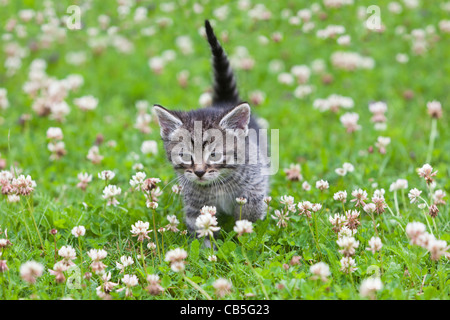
(162,245)
(226,259)
(428,223)
(156,235)
(396,203)
(143,260)
(435,227)
(35,225)
(256,274)
(56,251)
(315,241)
(374,224)
(433,134)
(196,286)
(212,253)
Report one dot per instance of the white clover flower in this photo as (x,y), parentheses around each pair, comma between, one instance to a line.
(282,218)
(320,270)
(306,186)
(370,286)
(322,185)
(337,220)
(84,179)
(434,109)
(129,281)
(149,146)
(12,198)
(173,223)
(79,231)
(316,207)
(140,230)
(414,195)
(177,189)
(375,244)
(208,210)
(176,257)
(341,171)
(347,245)
(94,155)
(350,121)
(55,133)
(206,225)
(305,207)
(398,185)
(437,248)
(379,193)
(97,254)
(138,166)
(360,196)
(124,262)
(109,194)
(414,230)
(346,232)
(86,103)
(30,271)
(382,143)
(22,185)
(340,196)
(205,99)
(243,226)
(427,173)
(241,201)
(137,180)
(68,253)
(222,286)
(267,200)
(106,175)
(287,200)
(152,204)
(348,265)
(370,208)
(439,196)
(212,258)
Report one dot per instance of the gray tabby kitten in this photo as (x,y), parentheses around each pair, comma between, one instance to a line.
(211,177)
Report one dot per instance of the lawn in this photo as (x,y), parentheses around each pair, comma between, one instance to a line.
(358,208)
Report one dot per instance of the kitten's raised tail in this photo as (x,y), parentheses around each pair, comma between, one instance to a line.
(225,89)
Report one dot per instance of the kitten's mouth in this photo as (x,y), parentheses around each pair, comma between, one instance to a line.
(202,181)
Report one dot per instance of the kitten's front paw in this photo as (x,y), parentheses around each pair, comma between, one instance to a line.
(207,244)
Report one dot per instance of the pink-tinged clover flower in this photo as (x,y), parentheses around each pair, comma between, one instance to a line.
(206,225)
(320,271)
(427,173)
(140,230)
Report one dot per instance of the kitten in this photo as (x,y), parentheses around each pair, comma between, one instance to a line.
(203,161)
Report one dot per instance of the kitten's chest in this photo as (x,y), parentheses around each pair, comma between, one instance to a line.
(225,203)
(223,199)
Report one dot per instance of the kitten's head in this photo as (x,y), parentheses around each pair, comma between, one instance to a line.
(196,141)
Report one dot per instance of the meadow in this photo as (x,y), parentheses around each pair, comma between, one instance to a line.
(91,209)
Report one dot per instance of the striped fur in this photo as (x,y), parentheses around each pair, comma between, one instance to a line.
(225,89)
(233,180)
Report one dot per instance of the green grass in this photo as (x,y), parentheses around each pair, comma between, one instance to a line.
(316,140)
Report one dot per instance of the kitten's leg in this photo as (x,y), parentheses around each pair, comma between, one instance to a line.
(192,212)
(255,208)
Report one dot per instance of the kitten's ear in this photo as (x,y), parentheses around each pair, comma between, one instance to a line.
(168,122)
(237,118)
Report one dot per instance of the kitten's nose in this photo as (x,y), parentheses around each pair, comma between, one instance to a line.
(199,173)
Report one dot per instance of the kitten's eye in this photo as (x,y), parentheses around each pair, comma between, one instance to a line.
(215,157)
(182,157)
